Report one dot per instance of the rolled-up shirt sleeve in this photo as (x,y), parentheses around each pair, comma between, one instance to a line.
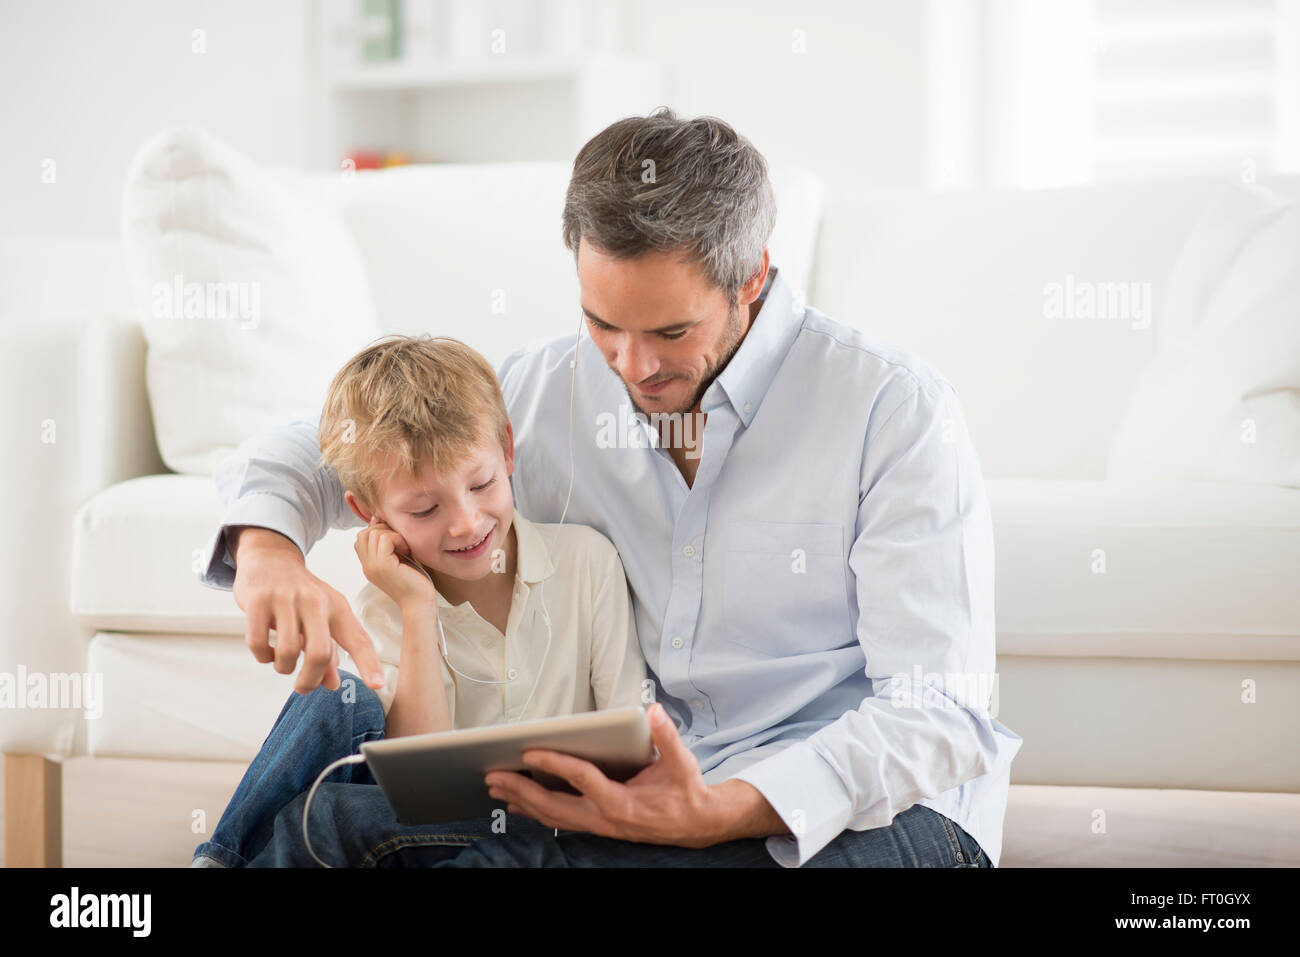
(275,480)
(922,557)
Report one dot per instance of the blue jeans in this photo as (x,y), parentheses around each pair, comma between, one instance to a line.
(353,825)
(312,731)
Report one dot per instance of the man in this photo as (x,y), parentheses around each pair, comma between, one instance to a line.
(805,532)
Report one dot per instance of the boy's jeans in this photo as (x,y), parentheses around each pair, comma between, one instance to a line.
(312,731)
(354,826)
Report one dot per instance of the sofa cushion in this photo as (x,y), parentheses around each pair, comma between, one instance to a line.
(1219,400)
(250,294)
(191,697)
(961,279)
(1151,722)
(135,551)
(1147,568)
(1168,724)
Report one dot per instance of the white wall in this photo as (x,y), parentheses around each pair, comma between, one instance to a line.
(85,82)
(850,107)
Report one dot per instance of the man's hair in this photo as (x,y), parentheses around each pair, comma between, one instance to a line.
(667,184)
(424,400)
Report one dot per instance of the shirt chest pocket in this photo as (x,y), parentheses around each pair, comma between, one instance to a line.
(784,587)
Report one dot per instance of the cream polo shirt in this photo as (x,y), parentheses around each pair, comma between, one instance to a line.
(595,660)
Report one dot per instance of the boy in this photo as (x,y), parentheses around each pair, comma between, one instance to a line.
(535,619)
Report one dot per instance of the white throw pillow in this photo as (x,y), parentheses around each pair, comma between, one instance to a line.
(1221,399)
(251,294)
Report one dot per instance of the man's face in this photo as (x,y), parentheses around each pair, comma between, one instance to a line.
(438,515)
(660,326)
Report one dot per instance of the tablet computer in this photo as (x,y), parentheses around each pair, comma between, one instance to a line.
(431,778)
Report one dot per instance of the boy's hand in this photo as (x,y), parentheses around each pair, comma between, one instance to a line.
(378,547)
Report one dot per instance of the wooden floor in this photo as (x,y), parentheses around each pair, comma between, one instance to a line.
(135,813)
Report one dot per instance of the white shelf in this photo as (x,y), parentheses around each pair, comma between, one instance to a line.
(448,98)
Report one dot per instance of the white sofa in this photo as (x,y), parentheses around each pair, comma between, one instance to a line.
(1126,686)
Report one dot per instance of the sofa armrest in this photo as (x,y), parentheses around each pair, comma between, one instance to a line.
(78,420)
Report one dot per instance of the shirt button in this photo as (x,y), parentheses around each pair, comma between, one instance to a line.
(697,704)
(688,551)
(749,407)
(512,674)
(677,642)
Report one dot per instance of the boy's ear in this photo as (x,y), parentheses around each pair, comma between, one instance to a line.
(356,507)
(510,449)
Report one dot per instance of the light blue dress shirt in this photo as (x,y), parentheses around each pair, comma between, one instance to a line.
(816,608)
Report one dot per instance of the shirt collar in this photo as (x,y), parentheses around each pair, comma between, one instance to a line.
(746,378)
(533,559)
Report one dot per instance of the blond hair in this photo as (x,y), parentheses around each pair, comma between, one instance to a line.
(426,400)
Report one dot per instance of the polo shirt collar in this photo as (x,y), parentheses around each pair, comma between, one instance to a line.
(745,380)
(533,559)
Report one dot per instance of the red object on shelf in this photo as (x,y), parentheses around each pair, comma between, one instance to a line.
(376,159)
(366,159)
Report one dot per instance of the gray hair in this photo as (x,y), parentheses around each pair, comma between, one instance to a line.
(666,184)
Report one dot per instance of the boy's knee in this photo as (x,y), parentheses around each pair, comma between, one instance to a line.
(355,693)
(352,700)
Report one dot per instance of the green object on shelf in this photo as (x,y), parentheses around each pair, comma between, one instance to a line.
(381,22)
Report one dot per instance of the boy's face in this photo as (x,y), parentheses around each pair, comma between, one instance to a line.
(440,515)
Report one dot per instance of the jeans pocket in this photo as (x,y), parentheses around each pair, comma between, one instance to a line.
(785,587)
(965,852)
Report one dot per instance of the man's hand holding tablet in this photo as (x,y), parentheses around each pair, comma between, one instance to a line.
(666,802)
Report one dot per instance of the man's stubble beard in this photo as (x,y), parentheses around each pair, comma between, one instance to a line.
(733,338)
